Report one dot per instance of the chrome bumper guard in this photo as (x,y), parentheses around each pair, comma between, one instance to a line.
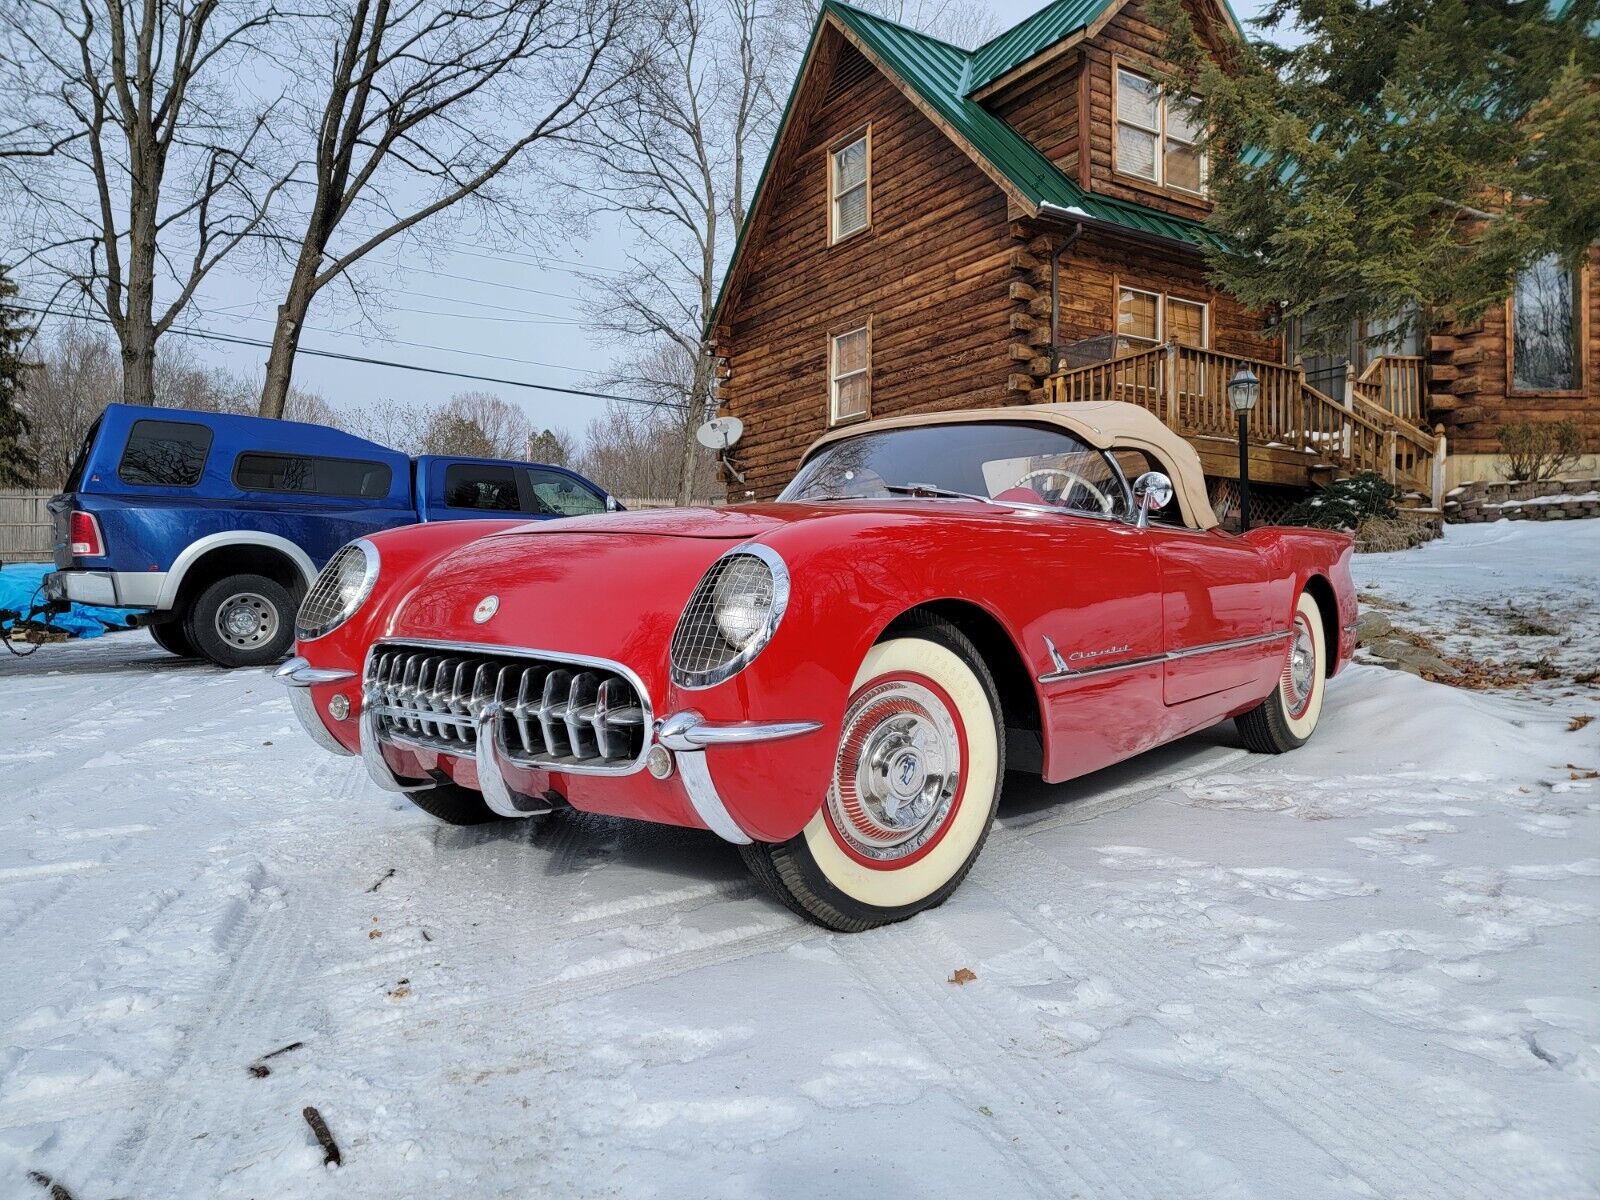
(686,734)
(299,675)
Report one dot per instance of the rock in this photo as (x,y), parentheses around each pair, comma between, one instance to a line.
(1370,626)
(1413,658)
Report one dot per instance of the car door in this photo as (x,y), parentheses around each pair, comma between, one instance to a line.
(1222,602)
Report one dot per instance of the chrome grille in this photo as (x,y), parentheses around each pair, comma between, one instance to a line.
(558,714)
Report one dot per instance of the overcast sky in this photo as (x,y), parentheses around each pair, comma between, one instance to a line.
(511,315)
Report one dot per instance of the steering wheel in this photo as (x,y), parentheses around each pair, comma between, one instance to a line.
(1069,480)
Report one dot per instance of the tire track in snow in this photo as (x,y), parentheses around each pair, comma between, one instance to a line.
(1338,1108)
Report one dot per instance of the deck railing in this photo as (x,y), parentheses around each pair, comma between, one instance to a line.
(1188,389)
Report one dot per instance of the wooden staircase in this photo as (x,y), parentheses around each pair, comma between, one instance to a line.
(1297,434)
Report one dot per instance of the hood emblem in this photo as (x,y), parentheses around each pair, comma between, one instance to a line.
(487,607)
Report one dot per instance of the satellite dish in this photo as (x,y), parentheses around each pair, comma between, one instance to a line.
(720,432)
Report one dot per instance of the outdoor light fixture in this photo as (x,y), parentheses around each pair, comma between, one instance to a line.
(1244,389)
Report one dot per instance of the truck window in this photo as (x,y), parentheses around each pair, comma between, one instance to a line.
(75,476)
(165,454)
(487,489)
(562,495)
(346,478)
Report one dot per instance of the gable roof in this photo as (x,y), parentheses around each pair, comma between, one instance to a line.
(937,78)
(1056,22)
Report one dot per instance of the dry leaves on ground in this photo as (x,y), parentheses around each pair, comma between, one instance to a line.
(961,975)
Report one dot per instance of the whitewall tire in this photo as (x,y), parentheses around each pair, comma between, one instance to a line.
(915,786)
(1286,719)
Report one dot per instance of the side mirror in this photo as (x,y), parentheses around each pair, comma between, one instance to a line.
(1151,491)
(611,503)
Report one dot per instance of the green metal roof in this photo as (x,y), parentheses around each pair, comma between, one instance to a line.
(941,75)
(1022,41)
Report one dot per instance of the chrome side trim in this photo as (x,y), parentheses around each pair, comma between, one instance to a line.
(377,765)
(688,731)
(1128,664)
(703,795)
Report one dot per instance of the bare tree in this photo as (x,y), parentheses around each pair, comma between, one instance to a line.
(635,450)
(421,105)
(479,424)
(674,163)
(158,168)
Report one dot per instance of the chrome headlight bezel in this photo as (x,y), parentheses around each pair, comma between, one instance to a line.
(699,621)
(329,579)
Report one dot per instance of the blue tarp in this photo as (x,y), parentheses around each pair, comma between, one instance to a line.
(20,581)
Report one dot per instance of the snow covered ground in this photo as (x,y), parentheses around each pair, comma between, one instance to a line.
(1365,969)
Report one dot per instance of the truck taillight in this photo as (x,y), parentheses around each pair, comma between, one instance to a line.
(85,536)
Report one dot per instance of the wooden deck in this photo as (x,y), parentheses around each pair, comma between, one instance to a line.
(1298,436)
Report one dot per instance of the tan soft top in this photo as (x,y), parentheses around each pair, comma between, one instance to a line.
(1103,424)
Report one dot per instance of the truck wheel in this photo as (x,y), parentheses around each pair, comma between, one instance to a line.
(242,621)
(916,783)
(454,805)
(173,637)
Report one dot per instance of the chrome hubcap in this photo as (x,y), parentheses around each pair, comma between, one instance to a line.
(247,620)
(1300,672)
(898,770)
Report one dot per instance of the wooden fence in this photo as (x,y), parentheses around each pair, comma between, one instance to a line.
(24,525)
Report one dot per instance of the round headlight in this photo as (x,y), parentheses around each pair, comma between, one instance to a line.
(343,586)
(731,616)
(742,601)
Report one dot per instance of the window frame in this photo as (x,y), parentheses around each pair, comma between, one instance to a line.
(1580,339)
(320,495)
(863,134)
(205,458)
(834,336)
(1159,182)
(1163,326)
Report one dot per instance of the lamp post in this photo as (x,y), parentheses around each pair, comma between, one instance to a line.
(1244,389)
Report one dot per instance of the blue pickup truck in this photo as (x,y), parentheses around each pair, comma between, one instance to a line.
(217,525)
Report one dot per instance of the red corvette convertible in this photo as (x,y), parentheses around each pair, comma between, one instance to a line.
(838,681)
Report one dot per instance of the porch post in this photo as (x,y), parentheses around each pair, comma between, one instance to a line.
(1439,456)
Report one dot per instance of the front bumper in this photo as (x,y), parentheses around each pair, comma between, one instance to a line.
(106,589)
(686,736)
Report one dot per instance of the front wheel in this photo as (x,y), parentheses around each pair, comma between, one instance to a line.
(1286,719)
(453,805)
(915,786)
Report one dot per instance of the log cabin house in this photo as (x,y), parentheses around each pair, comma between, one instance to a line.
(939,228)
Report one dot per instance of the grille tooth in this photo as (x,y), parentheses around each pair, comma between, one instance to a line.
(554,714)
(553,711)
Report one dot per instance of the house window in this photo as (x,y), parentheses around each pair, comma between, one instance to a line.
(1544,328)
(850,188)
(849,375)
(1157,136)
(1138,317)
(1148,318)
(1186,322)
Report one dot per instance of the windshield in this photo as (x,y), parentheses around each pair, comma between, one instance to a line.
(1003,461)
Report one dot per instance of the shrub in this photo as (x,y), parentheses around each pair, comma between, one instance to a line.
(1346,503)
(1534,452)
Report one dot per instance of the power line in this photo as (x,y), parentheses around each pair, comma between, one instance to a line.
(232,339)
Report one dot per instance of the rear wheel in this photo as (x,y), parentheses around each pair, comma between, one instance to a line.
(915,787)
(1286,719)
(172,637)
(454,805)
(242,621)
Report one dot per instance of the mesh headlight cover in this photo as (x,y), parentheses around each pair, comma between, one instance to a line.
(732,614)
(344,583)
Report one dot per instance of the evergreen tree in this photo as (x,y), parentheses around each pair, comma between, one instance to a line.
(17,467)
(1407,155)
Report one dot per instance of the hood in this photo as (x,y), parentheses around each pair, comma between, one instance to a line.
(723,524)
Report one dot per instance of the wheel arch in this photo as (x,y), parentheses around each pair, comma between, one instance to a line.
(1021,714)
(219,555)
(1321,590)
